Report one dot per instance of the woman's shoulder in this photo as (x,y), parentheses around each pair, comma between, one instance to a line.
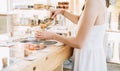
(92,4)
(96,5)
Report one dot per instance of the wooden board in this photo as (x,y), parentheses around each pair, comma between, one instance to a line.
(49,59)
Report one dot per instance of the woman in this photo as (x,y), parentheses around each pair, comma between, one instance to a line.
(89,52)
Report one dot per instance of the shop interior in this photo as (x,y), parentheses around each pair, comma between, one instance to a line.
(19,19)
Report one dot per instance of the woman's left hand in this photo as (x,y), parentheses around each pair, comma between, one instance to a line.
(44,35)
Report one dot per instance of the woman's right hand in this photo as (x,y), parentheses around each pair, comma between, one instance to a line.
(56,12)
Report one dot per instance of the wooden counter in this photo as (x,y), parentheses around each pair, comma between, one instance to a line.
(48,59)
(5,14)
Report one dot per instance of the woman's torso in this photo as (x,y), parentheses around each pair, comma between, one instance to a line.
(97,32)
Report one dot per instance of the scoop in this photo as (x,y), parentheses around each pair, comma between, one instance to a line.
(46,23)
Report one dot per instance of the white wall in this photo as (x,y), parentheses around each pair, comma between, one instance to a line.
(3,6)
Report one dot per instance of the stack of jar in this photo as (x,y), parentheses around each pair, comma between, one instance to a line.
(63,5)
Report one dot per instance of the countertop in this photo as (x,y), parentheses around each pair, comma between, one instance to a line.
(48,59)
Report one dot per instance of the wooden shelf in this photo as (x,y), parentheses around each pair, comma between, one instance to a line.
(114,31)
(114,62)
(25,25)
(29,9)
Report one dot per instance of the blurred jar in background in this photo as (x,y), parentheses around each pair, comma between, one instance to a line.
(4,57)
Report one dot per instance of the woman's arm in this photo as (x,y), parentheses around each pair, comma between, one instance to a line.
(87,21)
(49,35)
(70,16)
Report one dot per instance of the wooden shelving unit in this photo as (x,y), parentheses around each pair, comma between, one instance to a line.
(113,62)
(114,34)
(114,31)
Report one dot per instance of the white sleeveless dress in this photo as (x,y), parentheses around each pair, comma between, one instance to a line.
(91,57)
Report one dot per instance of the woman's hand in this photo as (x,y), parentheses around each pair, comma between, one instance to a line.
(56,12)
(44,35)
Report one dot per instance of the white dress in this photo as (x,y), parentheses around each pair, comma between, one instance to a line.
(91,57)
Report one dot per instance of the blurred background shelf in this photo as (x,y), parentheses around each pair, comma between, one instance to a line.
(113,62)
(114,31)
